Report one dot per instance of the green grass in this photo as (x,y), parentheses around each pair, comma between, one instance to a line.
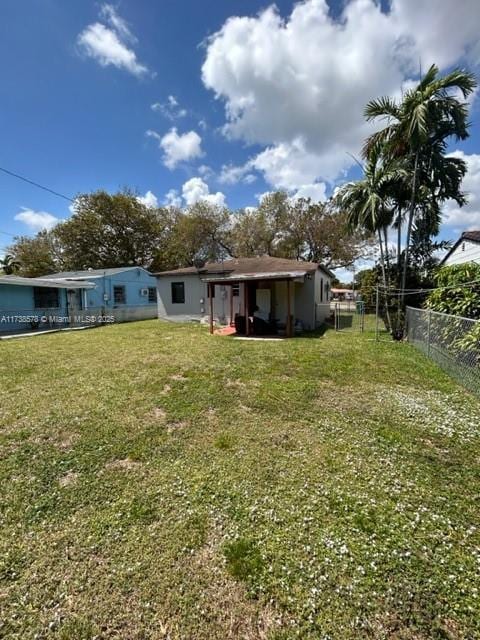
(158,482)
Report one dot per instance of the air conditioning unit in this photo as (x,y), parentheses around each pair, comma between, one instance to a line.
(144,292)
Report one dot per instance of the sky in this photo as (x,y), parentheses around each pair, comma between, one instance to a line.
(184,100)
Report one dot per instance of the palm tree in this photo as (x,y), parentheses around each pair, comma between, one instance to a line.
(367,203)
(9,264)
(416,132)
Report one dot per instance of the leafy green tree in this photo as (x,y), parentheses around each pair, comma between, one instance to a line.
(36,256)
(458,291)
(109,230)
(200,233)
(299,229)
(367,204)
(417,132)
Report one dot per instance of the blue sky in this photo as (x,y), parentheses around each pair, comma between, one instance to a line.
(183,100)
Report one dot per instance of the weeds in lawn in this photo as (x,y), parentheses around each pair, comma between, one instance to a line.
(329,489)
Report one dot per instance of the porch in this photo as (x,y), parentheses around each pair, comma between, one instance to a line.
(257,307)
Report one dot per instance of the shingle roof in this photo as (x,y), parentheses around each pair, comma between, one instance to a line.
(45,282)
(473,236)
(91,273)
(248,266)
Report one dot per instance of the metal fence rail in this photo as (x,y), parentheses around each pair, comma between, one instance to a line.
(452,342)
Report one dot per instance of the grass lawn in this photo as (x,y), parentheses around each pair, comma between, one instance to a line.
(158,482)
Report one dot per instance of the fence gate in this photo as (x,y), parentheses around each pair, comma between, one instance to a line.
(349,316)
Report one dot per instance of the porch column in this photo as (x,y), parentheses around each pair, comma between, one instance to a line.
(231,306)
(210,301)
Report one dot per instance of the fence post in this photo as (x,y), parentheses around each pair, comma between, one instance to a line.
(429,317)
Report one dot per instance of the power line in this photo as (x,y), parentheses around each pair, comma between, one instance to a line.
(6,233)
(35,184)
(412,292)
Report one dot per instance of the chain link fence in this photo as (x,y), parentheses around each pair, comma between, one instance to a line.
(355,317)
(452,342)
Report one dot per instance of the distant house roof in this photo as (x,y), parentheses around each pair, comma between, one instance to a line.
(264,267)
(473,236)
(45,282)
(91,273)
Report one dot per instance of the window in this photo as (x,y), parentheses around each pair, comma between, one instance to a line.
(46,298)
(119,295)
(152,294)
(321,289)
(178,292)
(235,290)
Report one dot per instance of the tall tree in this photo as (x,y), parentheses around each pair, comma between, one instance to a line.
(37,256)
(367,204)
(109,230)
(417,131)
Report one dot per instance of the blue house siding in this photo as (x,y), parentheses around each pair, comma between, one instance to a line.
(133,281)
(19,301)
(92,300)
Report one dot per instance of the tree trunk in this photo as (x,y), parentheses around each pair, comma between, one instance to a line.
(384,277)
(399,263)
(411,214)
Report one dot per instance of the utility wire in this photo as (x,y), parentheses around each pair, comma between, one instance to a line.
(35,184)
(411,292)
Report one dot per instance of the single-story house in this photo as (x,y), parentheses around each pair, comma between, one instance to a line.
(465,249)
(343,294)
(277,295)
(73,298)
(130,293)
(28,304)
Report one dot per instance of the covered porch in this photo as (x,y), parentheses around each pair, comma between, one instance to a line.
(262,305)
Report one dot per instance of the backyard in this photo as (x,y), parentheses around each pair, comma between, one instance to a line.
(158,482)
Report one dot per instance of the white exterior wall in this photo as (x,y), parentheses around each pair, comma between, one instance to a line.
(193,308)
(467,251)
(307,304)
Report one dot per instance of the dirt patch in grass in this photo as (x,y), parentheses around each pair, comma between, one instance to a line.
(68,479)
(123,465)
(159,414)
(224,601)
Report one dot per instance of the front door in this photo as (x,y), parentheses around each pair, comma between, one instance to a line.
(74,298)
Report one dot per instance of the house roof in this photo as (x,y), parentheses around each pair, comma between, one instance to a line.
(473,236)
(91,273)
(263,267)
(45,282)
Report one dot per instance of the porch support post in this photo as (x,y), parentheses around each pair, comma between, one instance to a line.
(247,321)
(210,300)
(231,305)
(289,317)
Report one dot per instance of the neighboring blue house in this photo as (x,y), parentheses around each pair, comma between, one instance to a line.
(117,288)
(79,297)
(28,304)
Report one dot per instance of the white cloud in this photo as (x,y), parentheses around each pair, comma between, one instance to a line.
(196,190)
(110,15)
(109,45)
(178,147)
(37,220)
(299,85)
(316,192)
(169,109)
(205,171)
(468,216)
(173,199)
(149,200)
